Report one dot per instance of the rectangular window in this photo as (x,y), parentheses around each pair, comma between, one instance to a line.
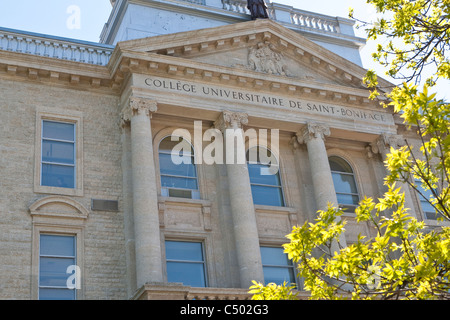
(56,254)
(266,187)
(58,154)
(277,267)
(186,263)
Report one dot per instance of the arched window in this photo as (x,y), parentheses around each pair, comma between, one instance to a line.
(344,183)
(265,179)
(177,168)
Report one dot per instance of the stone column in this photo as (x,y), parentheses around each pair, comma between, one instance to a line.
(243,210)
(145,196)
(382,146)
(313,135)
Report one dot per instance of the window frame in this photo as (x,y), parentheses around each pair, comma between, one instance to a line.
(47,221)
(203,262)
(165,191)
(40,255)
(420,194)
(55,115)
(280,187)
(353,174)
(74,143)
(289,267)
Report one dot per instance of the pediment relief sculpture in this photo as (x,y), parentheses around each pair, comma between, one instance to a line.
(265,58)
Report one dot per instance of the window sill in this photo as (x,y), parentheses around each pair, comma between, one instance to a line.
(266,208)
(58,191)
(436,223)
(194,202)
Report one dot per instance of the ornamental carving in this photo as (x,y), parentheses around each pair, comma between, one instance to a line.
(384,142)
(265,58)
(137,106)
(313,130)
(143,106)
(231,120)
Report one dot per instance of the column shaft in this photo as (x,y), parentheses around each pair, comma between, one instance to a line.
(324,192)
(243,210)
(145,196)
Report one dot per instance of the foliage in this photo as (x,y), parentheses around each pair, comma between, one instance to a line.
(417,34)
(404,259)
(273,291)
(401,262)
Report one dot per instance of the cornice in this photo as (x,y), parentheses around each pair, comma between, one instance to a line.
(126,62)
(77,75)
(169,56)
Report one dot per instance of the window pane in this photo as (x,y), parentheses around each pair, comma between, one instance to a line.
(427,208)
(344,183)
(186,251)
(347,199)
(57,245)
(190,274)
(185,169)
(340,165)
(260,174)
(58,130)
(431,215)
(183,183)
(56,294)
(52,271)
(270,196)
(58,176)
(61,152)
(278,275)
(274,256)
(276,265)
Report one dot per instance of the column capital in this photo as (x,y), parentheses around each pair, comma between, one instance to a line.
(385,141)
(231,120)
(312,130)
(137,106)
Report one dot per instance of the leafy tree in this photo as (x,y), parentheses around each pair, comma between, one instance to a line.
(406,259)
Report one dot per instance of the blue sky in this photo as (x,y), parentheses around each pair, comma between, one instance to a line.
(50,16)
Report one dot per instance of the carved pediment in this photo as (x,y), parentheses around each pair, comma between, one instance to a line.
(58,207)
(264,57)
(261,46)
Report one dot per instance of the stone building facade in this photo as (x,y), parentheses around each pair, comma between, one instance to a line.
(88,192)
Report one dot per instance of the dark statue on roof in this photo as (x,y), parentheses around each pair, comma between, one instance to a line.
(258,9)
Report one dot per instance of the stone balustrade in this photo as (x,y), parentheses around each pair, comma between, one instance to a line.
(290,15)
(238,6)
(314,21)
(54,47)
